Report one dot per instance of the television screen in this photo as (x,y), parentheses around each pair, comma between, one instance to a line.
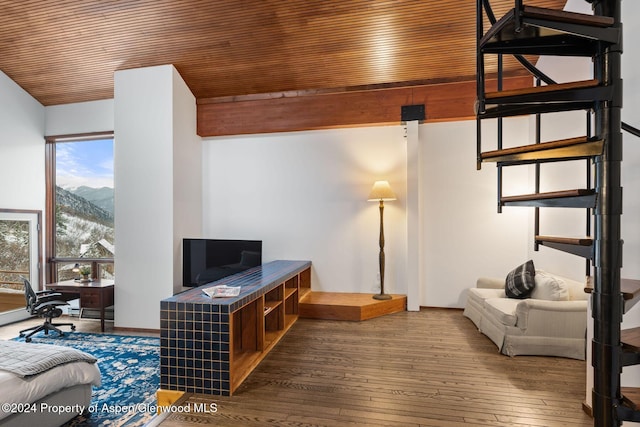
(207,260)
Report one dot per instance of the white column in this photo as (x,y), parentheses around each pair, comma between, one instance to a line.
(158,189)
(413,216)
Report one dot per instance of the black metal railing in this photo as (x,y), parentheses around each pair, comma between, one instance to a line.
(632,130)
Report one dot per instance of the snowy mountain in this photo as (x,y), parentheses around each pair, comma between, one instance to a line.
(80,224)
(78,206)
(101,197)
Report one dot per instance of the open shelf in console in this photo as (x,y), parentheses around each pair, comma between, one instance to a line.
(291,298)
(247,340)
(304,283)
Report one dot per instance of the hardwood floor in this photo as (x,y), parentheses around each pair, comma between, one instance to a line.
(427,368)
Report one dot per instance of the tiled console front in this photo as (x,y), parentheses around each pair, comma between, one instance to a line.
(210,345)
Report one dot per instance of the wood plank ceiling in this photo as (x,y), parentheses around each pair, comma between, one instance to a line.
(67,51)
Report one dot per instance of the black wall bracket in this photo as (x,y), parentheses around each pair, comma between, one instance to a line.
(412,112)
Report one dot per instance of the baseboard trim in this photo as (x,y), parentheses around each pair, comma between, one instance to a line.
(141,330)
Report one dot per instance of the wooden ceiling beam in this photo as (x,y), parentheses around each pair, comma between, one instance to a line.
(287,112)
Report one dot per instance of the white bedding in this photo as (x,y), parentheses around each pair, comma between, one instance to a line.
(14,389)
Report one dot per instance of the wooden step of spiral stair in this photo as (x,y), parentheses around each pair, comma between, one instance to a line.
(564,149)
(630,289)
(580,246)
(630,409)
(578,198)
(541,31)
(630,341)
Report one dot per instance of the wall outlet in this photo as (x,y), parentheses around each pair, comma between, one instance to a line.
(376,285)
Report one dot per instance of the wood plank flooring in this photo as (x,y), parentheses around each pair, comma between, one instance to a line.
(427,368)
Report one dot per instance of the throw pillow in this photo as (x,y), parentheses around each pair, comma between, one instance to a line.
(549,287)
(520,281)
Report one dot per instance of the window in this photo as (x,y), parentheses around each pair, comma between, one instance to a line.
(80,202)
(19,257)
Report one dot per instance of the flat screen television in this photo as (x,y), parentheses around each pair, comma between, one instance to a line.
(207,260)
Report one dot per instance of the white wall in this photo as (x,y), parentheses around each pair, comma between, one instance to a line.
(153,109)
(21,159)
(464,236)
(304,194)
(22,152)
(22,147)
(82,117)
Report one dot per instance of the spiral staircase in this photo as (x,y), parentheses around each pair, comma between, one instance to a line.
(528,30)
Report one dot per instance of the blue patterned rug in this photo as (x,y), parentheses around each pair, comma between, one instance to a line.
(130,368)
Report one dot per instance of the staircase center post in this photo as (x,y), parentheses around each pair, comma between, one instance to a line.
(607,301)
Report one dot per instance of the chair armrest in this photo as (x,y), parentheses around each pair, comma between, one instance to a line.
(47,292)
(54,296)
(44,304)
(490,283)
(552,318)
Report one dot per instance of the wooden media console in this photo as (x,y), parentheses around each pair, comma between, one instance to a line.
(210,345)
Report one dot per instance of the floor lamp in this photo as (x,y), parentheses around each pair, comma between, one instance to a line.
(381,191)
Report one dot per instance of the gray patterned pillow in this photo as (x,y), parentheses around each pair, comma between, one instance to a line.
(520,281)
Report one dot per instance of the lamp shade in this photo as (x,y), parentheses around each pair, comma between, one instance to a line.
(381,191)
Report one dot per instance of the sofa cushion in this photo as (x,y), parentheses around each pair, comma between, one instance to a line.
(520,281)
(478,295)
(549,287)
(502,310)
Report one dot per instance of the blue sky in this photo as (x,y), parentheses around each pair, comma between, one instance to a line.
(87,163)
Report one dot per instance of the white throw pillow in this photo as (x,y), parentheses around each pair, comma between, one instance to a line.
(549,287)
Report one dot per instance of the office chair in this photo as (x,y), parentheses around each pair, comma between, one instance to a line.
(43,304)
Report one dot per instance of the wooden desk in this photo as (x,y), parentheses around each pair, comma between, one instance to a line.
(97,294)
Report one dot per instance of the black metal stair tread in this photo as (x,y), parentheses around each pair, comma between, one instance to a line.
(546,31)
(549,195)
(542,107)
(582,84)
(557,45)
(631,397)
(580,246)
(577,241)
(564,148)
(565,198)
(580,95)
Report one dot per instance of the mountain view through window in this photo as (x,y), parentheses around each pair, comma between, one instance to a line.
(84,221)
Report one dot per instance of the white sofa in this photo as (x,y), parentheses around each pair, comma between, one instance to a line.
(551,322)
